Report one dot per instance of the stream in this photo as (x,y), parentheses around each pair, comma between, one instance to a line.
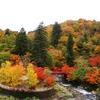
(80,93)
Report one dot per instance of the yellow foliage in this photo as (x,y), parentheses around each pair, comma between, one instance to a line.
(12,75)
(97,50)
(74,48)
(32,76)
(63,39)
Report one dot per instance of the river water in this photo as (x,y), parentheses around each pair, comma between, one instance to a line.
(80,93)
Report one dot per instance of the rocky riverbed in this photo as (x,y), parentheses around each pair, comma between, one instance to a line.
(68,92)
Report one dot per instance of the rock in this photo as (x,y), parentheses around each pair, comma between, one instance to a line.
(94,92)
(60,94)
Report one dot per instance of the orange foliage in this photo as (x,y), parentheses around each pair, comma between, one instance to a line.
(94,62)
(40,73)
(67,71)
(97,50)
(76,34)
(68,29)
(49,81)
(93,77)
(57,69)
(15,58)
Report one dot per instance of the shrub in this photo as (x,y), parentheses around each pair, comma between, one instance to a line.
(93,77)
(11,76)
(49,81)
(47,72)
(81,62)
(79,74)
(94,62)
(32,76)
(40,73)
(67,71)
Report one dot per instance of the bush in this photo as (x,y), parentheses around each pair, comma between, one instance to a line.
(93,77)
(12,76)
(79,74)
(32,76)
(67,71)
(4,56)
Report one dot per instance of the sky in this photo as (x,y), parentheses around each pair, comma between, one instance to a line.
(15,14)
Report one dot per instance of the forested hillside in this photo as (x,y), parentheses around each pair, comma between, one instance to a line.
(73,46)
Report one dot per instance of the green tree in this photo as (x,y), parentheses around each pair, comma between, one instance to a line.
(56,33)
(21,43)
(9,42)
(7,32)
(85,36)
(39,51)
(70,55)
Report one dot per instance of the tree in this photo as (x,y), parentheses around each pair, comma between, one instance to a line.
(21,43)
(70,55)
(56,33)
(7,32)
(39,51)
(85,37)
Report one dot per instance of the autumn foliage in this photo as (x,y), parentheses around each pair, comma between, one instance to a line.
(93,77)
(15,58)
(49,81)
(12,75)
(94,62)
(32,76)
(67,71)
(40,73)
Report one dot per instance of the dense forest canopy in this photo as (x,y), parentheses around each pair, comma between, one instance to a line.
(85,35)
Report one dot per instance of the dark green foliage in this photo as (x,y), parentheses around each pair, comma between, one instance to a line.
(85,36)
(30,44)
(21,43)
(56,33)
(39,49)
(7,32)
(70,55)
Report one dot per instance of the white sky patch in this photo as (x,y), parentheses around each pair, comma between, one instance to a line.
(15,14)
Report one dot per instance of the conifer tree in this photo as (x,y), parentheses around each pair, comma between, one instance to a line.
(21,43)
(39,51)
(70,55)
(85,36)
(7,32)
(56,33)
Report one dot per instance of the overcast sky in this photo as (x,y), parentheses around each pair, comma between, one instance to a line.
(15,14)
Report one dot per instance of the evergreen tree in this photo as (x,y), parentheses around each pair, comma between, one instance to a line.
(56,33)
(39,51)
(86,36)
(7,32)
(70,55)
(21,43)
